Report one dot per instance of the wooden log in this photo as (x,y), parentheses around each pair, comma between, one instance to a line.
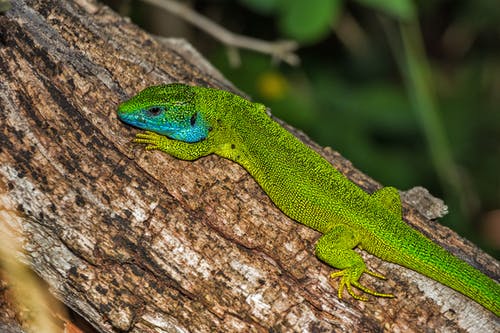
(141,242)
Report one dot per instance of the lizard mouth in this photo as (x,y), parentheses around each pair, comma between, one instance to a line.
(129,118)
(142,121)
(136,119)
(190,129)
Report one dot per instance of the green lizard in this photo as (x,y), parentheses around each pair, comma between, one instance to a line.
(190,122)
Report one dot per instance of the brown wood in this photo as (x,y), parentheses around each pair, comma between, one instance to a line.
(141,242)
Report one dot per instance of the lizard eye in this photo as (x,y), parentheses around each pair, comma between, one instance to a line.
(154,111)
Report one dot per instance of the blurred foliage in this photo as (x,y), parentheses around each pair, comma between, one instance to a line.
(5,5)
(361,92)
(307,21)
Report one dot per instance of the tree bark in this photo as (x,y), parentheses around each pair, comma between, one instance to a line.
(138,241)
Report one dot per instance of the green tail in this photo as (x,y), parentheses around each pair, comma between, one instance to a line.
(436,263)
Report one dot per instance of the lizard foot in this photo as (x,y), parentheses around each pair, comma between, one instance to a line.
(151,139)
(348,280)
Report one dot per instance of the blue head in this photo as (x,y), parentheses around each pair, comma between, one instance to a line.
(168,110)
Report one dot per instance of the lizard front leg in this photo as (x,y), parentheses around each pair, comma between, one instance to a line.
(336,249)
(179,149)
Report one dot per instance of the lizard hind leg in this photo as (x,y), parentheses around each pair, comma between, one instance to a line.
(336,249)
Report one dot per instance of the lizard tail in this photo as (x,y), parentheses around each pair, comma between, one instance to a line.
(438,264)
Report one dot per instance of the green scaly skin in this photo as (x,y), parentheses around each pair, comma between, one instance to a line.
(301,183)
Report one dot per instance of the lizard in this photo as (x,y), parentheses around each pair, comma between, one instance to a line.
(189,122)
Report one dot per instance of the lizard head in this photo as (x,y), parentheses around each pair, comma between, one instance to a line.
(169,110)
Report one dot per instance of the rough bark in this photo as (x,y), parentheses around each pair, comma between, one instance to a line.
(141,242)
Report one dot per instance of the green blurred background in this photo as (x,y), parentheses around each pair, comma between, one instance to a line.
(409,92)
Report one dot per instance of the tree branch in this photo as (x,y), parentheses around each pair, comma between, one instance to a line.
(279,50)
(138,241)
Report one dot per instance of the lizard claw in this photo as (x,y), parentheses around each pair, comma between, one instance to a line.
(348,280)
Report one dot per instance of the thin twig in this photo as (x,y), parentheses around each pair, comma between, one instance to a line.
(281,50)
